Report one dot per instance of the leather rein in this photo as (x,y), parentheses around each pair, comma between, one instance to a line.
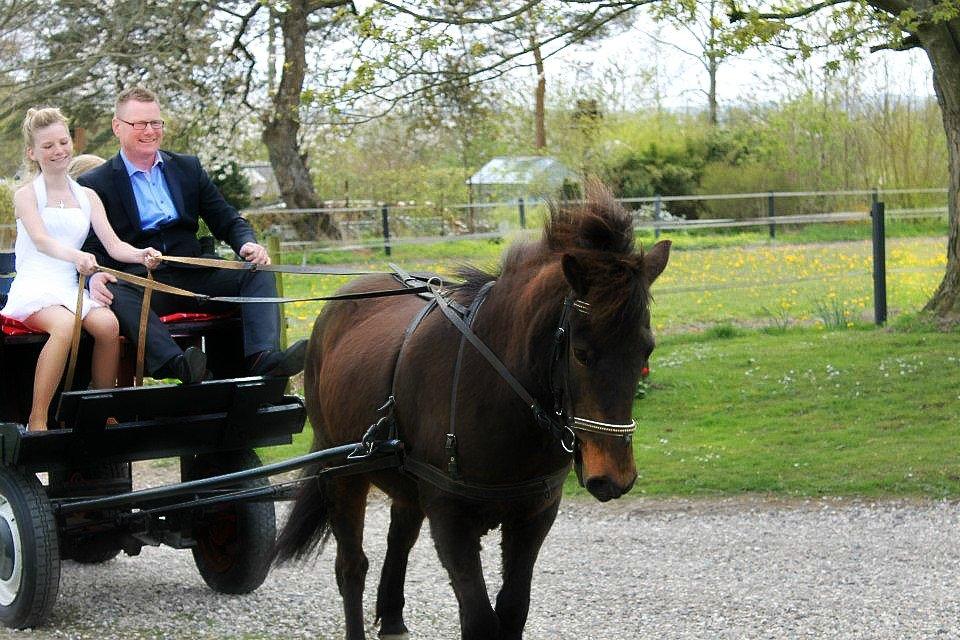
(559,422)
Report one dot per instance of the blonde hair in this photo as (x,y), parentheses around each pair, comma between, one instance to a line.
(136,93)
(83,163)
(35,120)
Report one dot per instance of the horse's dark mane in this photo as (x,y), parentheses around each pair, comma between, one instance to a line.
(598,232)
(473,279)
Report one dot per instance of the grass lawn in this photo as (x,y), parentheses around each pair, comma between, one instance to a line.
(803,412)
(863,411)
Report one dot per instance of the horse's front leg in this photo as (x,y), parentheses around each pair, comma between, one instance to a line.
(521,542)
(405,522)
(456,536)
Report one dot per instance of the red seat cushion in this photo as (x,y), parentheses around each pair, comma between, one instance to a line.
(195,317)
(11,327)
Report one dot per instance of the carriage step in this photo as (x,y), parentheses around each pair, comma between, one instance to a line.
(84,409)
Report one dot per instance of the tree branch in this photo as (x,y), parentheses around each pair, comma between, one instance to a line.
(910,42)
(462,21)
(736,15)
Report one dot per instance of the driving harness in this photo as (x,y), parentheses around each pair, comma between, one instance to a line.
(559,424)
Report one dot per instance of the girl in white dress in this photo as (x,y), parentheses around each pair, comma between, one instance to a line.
(54,215)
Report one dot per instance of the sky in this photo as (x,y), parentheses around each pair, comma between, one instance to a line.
(680,81)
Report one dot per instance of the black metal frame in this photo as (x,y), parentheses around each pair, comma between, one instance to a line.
(157,422)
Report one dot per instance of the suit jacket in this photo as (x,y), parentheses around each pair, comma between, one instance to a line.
(194,197)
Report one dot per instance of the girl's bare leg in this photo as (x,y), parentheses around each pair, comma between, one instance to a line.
(58,322)
(102,325)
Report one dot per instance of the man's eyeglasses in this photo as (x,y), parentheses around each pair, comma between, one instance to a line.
(140,125)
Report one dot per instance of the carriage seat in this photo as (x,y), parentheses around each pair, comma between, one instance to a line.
(11,327)
(219,334)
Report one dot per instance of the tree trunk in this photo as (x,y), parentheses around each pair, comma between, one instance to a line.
(942,45)
(712,65)
(540,141)
(713,62)
(282,127)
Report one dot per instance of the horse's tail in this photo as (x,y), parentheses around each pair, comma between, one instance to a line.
(308,527)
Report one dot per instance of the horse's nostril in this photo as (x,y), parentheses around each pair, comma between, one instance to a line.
(602,488)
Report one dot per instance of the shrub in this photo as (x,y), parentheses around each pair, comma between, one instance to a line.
(233,185)
(654,170)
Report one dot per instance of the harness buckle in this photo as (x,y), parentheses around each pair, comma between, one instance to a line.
(568,439)
(453,458)
(380,431)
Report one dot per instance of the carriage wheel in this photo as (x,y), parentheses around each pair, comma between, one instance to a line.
(235,540)
(29,551)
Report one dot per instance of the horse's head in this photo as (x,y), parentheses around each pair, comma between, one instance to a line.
(609,338)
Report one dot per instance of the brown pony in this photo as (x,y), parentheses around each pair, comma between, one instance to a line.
(586,253)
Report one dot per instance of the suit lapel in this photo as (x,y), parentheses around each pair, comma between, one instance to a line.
(174,182)
(121,181)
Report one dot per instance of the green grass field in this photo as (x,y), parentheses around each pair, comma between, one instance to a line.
(770,377)
(805,412)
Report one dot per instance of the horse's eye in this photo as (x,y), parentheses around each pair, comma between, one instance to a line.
(582,355)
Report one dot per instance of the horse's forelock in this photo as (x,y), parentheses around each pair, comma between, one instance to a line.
(598,223)
(599,233)
(618,294)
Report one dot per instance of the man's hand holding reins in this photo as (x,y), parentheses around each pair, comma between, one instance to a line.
(151,258)
(255,253)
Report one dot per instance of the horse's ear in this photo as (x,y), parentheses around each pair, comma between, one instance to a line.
(655,260)
(575,273)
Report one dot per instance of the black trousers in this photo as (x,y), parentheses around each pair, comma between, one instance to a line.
(261,321)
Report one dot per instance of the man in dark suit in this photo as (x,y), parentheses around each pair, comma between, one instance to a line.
(155,198)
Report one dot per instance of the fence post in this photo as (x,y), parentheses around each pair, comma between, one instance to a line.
(385,219)
(523,217)
(657,206)
(443,230)
(879,264)
(273,248)
(771,212)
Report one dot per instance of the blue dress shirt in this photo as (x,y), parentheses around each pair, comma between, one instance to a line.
(152,194)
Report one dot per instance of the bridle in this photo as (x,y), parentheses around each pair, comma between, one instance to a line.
(559,383)
(560,423)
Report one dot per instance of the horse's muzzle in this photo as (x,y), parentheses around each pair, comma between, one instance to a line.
(603,488)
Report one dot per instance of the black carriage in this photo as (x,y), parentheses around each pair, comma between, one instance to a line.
(87,510)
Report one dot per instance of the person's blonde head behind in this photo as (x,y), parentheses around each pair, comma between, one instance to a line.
(35,120)
(83,163)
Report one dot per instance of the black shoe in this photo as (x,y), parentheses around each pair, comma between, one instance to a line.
(276,364)
(190,367)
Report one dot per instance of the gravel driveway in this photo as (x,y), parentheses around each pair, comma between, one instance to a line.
(637,568)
